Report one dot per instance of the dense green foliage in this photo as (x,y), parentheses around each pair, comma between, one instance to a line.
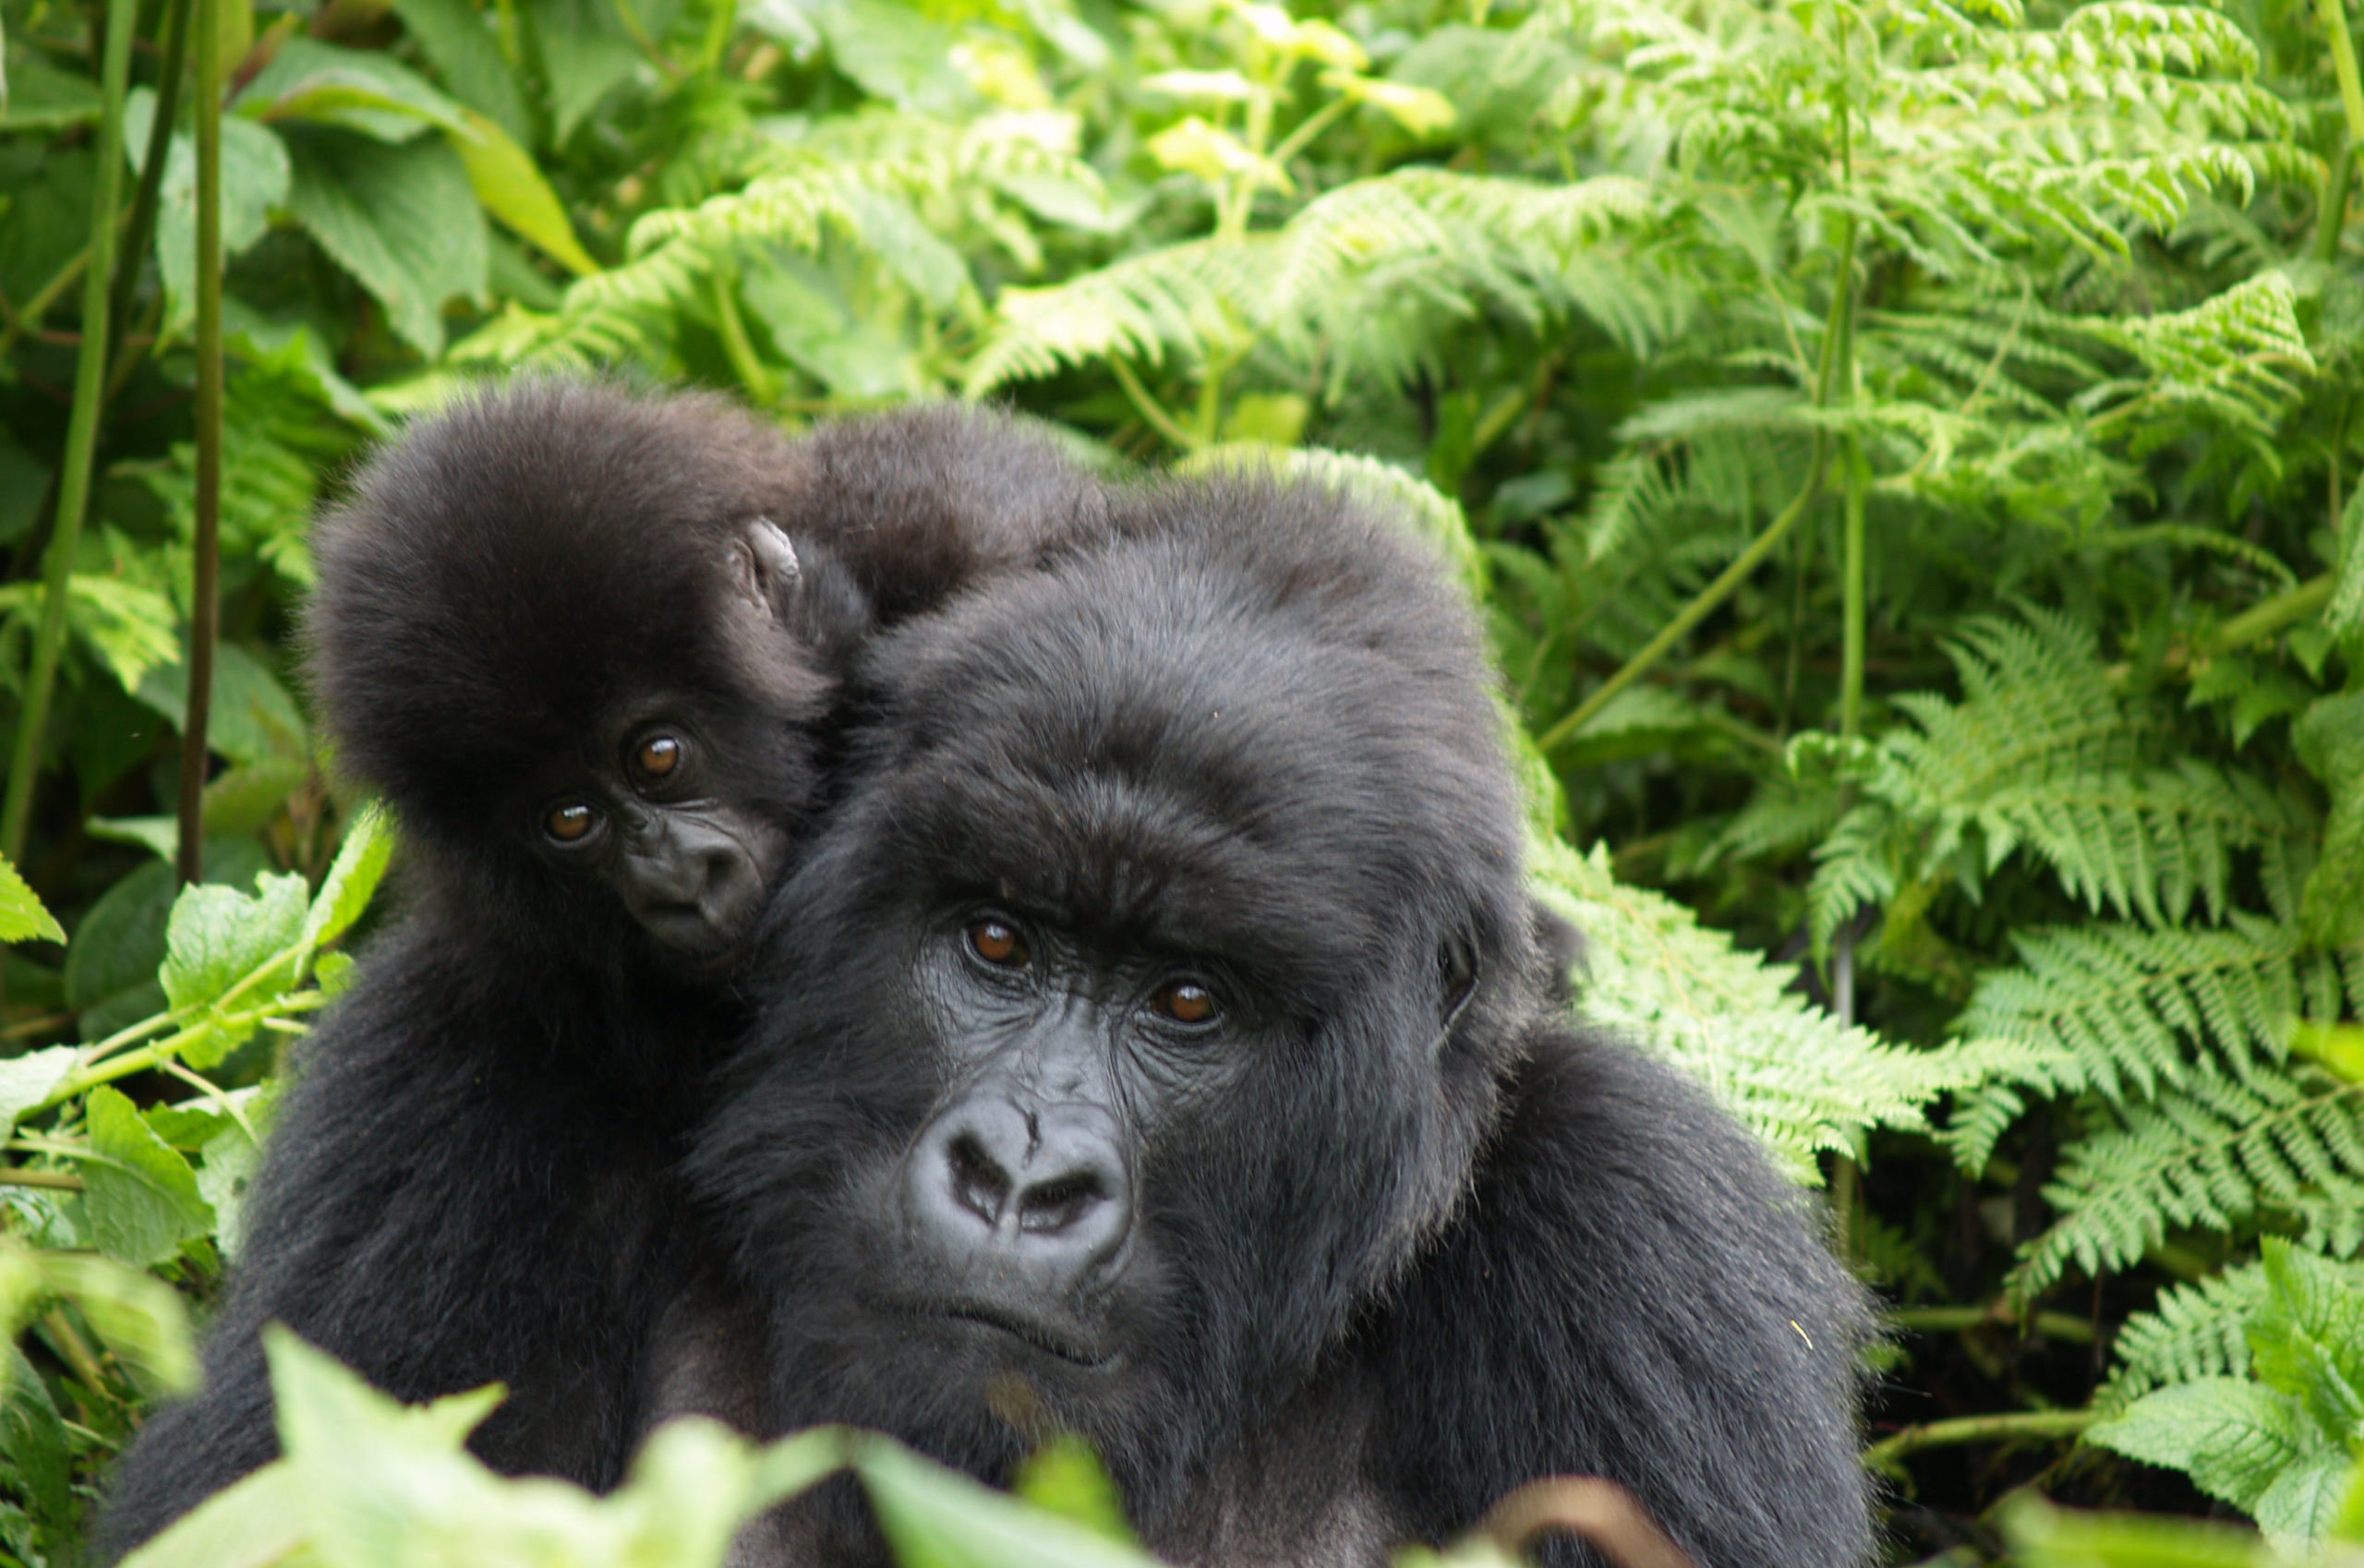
(1906,452)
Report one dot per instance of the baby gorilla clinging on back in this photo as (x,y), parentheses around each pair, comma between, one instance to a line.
(586,644)
(1161,1049)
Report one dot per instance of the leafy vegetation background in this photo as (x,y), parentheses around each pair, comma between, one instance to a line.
(1907,453)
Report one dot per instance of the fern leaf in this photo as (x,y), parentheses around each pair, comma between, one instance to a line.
(2211,1154)
(2194,1331)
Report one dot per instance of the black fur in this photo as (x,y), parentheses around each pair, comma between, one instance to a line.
(470,1179)
(1395,1237)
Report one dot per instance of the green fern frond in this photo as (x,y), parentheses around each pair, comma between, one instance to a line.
(2042,752)
(1681,991)
(2130,1012)
(1349,278)
(2194,1331)
(2211,1153)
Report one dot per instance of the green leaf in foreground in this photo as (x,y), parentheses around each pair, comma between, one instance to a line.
(23,916)
(370,1483)
(353,877)
(939,1518)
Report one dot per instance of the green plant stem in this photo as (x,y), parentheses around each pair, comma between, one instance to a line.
(1960,1320)
(2011,1427)
(205,607)
(81,434)
(1152,412)
(28,315)
(63,1181)
(2331,221)
(738,347)
(141,227)
(2261,620)
(2343,65)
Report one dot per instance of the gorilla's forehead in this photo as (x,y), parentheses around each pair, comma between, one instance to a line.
(1156,746)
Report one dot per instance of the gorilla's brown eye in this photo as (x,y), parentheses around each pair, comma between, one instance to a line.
(658,755)
(997,942)
(1186,1001)
(569,823)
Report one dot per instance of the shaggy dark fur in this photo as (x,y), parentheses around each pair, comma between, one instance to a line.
(1159,1047)
(471,1181)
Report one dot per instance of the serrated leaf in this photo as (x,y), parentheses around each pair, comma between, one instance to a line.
(2304,1500)
(585,52)
(230,1158)
(403,220)
(514,190)
(254,173)
(23,917)
(218,935)
(2307,1340)
(352,879)
(140,1196)
(2232,1437)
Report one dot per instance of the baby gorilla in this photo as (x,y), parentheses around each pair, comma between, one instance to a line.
(586,645)
(1160,1048)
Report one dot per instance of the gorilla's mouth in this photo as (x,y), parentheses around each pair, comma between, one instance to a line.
(1026,1331)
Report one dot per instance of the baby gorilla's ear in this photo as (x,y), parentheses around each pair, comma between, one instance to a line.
(763,566)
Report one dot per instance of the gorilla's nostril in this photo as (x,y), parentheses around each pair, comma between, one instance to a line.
(979,1185)
(1060,1203)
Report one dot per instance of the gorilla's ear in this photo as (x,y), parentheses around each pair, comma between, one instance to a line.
(763,566)
(1457,973)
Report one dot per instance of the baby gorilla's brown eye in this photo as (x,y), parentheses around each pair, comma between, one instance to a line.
(1186,1001)
(658,755)
(997,942)
(569,823)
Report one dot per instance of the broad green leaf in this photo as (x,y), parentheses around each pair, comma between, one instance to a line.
(254,1524)
(2302,1503)
(512,190)
(27,1080)
(364,91)
(23,917)
(40,97)
(121,940)
(252,718)
(894,51)
(933,269)
(254,180)
(139,1195)
(352,878)
(1419,110)
(227,1170)
(217,937)
(2307,1340)
(1065,1476)
(2233,1436)
(585,52)
(461,42)
(34,1446)
(383,1486)
(403,220)
(242,799)
(939,1518)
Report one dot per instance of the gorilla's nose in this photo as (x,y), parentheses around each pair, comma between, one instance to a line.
(997,1186)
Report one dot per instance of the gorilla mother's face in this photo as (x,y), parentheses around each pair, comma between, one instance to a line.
(1115,1061)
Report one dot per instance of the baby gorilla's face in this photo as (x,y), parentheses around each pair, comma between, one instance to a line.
(647,810)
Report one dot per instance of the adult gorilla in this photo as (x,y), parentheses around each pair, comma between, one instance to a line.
(1162,1050)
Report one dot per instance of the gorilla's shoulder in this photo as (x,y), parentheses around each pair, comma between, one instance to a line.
(1627,1281)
